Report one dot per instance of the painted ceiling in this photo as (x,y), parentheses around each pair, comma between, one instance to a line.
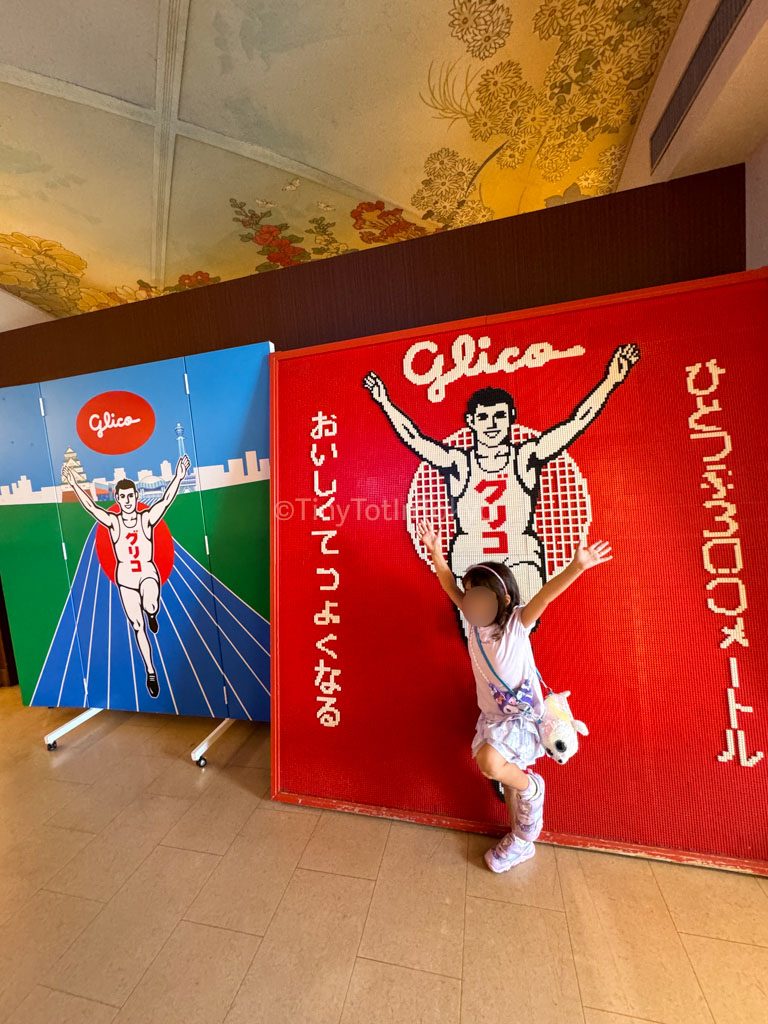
(160,145)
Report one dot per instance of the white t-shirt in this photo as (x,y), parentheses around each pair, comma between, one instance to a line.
(512,658)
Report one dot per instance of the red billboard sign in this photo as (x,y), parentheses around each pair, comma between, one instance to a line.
(635,419)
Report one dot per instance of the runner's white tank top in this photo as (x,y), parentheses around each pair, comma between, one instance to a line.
(493,511)
(134,552)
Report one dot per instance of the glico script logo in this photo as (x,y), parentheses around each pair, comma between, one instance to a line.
(115,422)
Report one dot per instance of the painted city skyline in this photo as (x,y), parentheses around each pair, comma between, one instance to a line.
(223,439)
(248,469)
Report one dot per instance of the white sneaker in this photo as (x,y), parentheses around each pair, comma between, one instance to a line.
(508,853)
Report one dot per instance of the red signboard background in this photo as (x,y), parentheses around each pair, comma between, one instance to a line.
(634,641)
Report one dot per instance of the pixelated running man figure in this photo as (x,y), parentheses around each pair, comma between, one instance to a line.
(493,486)
(132,533)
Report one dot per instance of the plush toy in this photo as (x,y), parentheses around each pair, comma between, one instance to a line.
(558,728)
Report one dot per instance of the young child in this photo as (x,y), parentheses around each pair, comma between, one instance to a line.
(506,739)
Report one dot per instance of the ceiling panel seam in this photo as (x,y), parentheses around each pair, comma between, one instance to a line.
(270,158)
(10,75)
(172,29)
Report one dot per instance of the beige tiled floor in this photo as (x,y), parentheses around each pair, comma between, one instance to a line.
(137,889)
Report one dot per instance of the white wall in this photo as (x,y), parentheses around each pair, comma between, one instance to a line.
(693,24)
(16,313)
(727,122)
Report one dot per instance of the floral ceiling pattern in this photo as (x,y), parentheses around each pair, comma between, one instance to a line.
(524,106)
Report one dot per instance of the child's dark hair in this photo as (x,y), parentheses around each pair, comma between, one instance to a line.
(480,578)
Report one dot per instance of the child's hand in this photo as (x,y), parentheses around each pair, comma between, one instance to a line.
(585,557)
(428,535)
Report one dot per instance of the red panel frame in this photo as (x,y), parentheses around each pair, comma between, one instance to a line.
(743,864)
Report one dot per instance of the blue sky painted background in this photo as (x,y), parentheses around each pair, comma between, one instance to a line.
(23,443)
(229,395)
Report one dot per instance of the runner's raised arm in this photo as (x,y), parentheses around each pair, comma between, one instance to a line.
(99,514)
(439,455)
(158,510)
(553,441)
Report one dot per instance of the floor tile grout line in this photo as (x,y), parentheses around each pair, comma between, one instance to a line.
(464,934)
(270,806)
(103,908)
(514,903)
(42,887)
(570,938)
(220,927)
(645,1020)
(83,831)
(719,938)
(373,891)
(292,876)
(343,1003)
(679,935)
(179,919)
(246,972)
(365,922)
(408,967)
(73,895)
(64,992)
(75,995)
(338,874)
(194,849)
(383,848)
(71,943)
(66,782)
(141,793)
(577,852)
(272,916)
(152,961)
(188,811)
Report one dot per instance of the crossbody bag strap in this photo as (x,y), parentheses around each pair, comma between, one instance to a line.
(488,661)
(546,685)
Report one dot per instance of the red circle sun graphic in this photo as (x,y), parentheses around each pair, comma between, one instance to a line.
(163,547)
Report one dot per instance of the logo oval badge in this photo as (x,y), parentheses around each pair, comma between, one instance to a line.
(115,422)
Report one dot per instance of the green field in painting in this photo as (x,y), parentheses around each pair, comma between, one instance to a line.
(35,584)
(35,577)
(237,523)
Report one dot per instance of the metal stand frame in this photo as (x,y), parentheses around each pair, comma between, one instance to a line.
(198,754)
(52,737)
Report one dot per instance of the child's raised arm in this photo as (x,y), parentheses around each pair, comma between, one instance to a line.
(584,558)
(430,537)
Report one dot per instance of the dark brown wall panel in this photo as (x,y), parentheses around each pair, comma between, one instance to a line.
(679,230)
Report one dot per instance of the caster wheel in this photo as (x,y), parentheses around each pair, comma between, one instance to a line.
(53,746)
(202,762)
